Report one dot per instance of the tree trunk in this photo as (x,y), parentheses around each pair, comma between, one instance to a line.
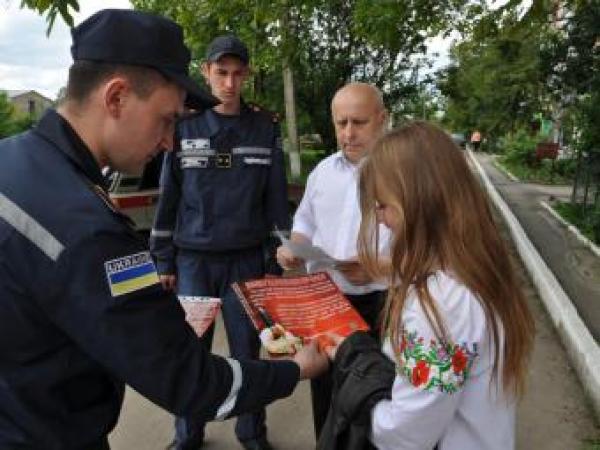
(290,120)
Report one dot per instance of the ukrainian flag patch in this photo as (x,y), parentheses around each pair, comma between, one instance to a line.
(130,273)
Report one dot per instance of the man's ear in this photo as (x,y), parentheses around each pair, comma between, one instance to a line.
(115,93)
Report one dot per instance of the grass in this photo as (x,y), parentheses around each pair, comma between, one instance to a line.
(590,444)
(587,223)
(542,173)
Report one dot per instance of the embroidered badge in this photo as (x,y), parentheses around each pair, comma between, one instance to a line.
(130,273)
(437,366)
(195,144)
(192,162)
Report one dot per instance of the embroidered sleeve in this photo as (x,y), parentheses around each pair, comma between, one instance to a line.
(431,375)
(434,366)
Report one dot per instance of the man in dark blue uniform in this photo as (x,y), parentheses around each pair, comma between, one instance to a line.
(223,191)
(82,310)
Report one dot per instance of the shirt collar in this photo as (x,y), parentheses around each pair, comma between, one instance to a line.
(344,163)
(57,130)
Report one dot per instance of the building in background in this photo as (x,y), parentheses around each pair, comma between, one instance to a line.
(30,103)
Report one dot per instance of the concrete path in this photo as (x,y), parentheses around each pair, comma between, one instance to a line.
(553,415)
(575,266)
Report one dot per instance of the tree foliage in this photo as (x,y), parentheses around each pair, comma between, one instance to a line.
(571,63)
(328,42)
(494,82)
(10,121)
(53,8)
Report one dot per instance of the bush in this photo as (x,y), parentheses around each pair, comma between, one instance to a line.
(587,221)
(519,147)
(566,168)
(309,158)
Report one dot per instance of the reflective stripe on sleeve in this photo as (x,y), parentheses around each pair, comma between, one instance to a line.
(251,151)
(161,233)
(229,402)
(28,227)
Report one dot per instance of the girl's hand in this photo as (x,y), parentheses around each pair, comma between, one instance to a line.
(336,340)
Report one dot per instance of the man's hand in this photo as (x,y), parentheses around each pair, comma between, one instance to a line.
(168,281)
(286,258)
(353,272)
(311,361)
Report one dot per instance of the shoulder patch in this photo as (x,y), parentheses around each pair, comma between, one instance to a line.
(437,366)
(130,273)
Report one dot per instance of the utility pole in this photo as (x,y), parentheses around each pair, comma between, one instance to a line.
(290,101)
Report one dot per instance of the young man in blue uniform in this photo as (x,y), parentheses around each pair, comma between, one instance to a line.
(82,310)
(223,191)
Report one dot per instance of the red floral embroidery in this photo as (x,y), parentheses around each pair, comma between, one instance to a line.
(420,373)
(459,361)
(428,367)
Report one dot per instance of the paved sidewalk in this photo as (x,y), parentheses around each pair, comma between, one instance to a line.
(575,266)
(553,415)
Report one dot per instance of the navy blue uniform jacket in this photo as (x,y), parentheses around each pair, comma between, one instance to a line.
(222,189)
(82,313)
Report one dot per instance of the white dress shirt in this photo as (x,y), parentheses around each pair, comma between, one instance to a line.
(435,401)
(329,215)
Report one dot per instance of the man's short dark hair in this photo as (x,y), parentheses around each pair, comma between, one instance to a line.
(85,76)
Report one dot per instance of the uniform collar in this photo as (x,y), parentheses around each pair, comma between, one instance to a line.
(57,130)
(212,118)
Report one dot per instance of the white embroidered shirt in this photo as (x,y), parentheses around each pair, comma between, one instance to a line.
(442,393)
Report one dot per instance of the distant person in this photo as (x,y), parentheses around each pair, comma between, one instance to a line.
(456,324)
(329,215)
(223,192)
(476,140)
(82,311)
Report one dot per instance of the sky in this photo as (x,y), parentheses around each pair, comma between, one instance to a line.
(31,61)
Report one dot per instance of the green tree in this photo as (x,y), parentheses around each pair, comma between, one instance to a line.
(326,42)
(10,121)
(494,83)
(53,8)
(322,43)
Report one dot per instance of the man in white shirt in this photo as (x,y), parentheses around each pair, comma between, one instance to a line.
(329,214)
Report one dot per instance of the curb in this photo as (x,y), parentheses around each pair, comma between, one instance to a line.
(584,240)
(581,347)
(506,172)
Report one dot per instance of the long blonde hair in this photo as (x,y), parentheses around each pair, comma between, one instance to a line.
(444,223)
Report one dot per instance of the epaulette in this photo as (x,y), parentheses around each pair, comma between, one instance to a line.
(190,114)
(257,108)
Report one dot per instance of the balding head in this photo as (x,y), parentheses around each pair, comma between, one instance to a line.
(359,92)
(358,117)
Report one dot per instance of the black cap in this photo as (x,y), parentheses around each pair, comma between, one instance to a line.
(227,45)
(124,36)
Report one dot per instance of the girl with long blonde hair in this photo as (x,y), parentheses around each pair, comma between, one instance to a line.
(456,323)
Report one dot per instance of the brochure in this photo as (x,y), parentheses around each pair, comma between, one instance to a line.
(308,306)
